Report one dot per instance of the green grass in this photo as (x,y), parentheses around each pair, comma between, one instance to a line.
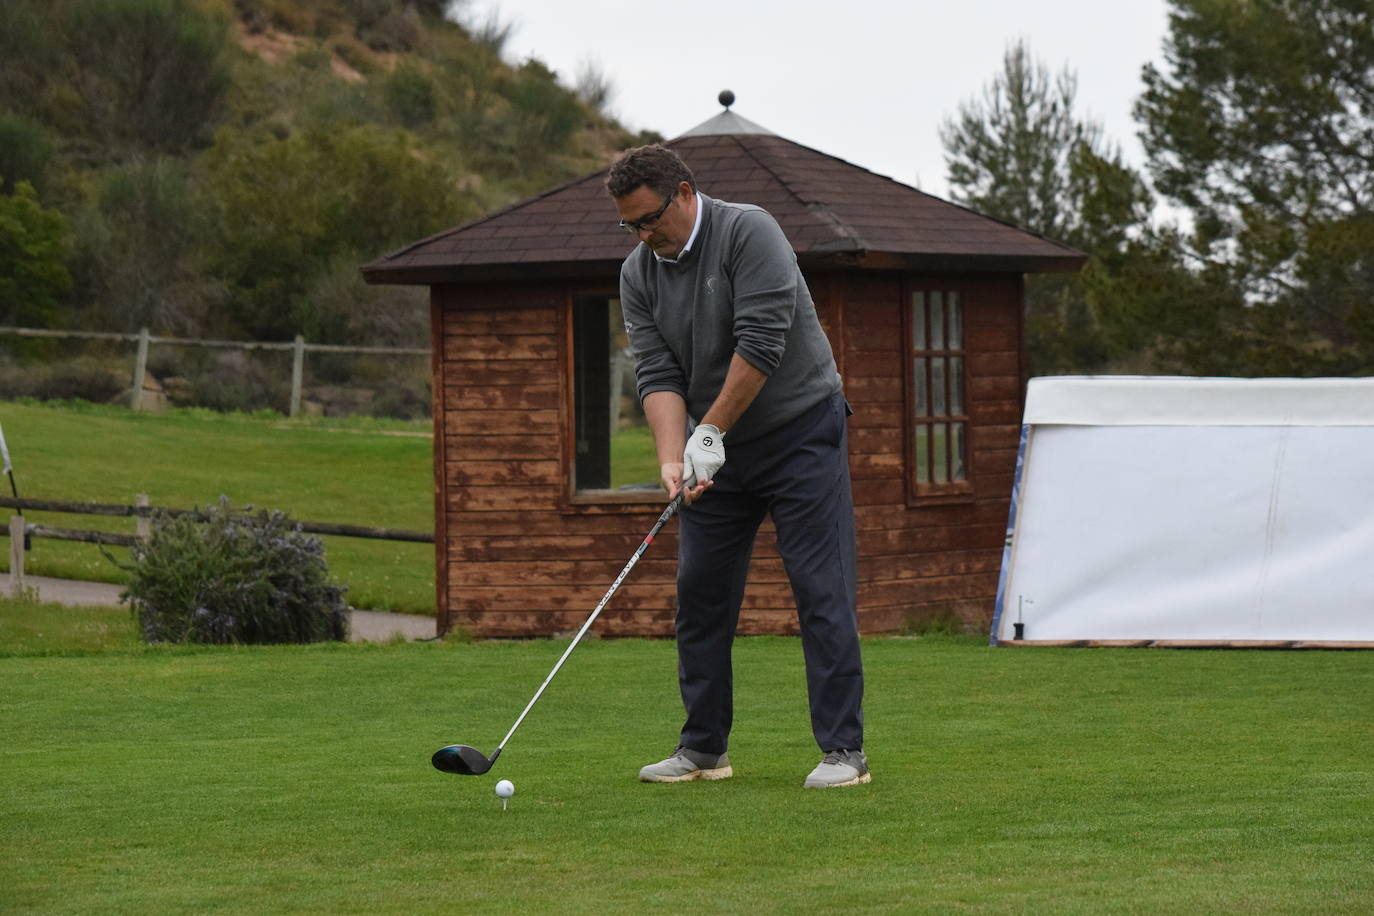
(633,459)
(41,628)
(296,779)
(354,471)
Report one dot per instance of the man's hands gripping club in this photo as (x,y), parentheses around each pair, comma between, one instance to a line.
(704,452)
(703,456)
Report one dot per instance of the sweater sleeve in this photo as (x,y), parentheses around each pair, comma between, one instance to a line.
(765,286)
(656,368)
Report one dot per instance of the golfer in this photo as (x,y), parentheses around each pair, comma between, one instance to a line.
(740,389)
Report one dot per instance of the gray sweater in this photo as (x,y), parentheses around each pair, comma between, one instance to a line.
(738,290)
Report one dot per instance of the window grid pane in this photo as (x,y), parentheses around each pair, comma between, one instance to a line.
(918,321)
(923,453)
(939,442)
(958,456)
(956,323)
(956,386)
(922,387)
(938,378)
(937,321)
(938,406)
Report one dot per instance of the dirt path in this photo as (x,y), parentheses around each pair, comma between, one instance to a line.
(364,626)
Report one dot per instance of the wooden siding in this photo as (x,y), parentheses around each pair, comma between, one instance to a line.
(919,559)
(517,558)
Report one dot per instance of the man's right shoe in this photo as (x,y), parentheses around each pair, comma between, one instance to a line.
(685,765)
(839,768)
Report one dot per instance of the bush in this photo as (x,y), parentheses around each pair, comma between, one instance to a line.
(33,270)
(85,378)
(410,94)
(234,381)
(224,575)
(24,152)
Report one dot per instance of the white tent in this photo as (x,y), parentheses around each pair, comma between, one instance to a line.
(1183,511)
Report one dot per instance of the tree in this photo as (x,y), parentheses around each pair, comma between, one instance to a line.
(148,75)
(289,208)
(1009,154)
(29,52)
(1020,154)
(138,244)
(1261,123)
(33,274)
(24,151)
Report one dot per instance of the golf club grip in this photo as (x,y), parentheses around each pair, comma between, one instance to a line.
(672,507)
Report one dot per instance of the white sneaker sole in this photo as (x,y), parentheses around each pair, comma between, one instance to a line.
(718,773)
(859,780)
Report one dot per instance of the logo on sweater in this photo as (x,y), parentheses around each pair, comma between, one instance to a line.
(710,286)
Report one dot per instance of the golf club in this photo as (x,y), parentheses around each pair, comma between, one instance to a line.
(468,761)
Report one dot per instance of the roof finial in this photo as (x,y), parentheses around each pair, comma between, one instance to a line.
(726,98)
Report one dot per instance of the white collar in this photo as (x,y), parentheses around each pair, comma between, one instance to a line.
(696,227)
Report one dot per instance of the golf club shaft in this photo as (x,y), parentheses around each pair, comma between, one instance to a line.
(644,545)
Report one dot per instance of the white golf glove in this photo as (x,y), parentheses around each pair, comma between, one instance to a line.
(703,456)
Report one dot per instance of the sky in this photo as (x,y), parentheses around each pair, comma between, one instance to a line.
(868,81)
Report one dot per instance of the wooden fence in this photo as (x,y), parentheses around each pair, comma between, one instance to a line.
(21,532)
(143,340)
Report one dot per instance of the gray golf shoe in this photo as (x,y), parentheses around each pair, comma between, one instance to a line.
(685,765)
(839,768)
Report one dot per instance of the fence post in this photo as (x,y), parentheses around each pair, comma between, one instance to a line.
(140,368)
(297,371)
(143,527)
(17,556)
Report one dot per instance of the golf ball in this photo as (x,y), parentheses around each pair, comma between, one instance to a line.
(505,788)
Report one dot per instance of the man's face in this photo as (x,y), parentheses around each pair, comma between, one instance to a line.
(669,232)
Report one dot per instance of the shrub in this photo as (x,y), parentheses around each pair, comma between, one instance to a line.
(83,378)
(410,95)
(226,575)
(151,75)
(24,152)
(33,270)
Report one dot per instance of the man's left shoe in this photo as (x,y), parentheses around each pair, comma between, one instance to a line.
(839,768)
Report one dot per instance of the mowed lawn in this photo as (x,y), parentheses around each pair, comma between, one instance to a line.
(377,473)
(297,779)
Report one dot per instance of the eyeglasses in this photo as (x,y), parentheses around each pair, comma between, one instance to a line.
(636,226)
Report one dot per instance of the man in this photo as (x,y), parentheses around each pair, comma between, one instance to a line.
(728,349)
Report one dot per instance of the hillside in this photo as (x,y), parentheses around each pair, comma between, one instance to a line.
(220,168)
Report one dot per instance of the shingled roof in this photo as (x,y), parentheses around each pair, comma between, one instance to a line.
(833,212)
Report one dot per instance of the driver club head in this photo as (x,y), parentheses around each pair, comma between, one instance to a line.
(462,760)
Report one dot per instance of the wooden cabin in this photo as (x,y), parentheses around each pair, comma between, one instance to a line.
(541,488)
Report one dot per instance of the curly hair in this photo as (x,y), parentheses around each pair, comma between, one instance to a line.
(654,166)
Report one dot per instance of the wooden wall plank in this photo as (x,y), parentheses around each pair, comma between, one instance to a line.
(497,347)
(529,499)
(462,373)
(490,448)
(503,473)
(508,398)
(467,322)
(467,422)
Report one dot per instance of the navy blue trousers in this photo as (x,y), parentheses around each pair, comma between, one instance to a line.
(800,475)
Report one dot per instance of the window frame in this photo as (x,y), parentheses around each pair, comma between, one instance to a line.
(591,499)
(920,492)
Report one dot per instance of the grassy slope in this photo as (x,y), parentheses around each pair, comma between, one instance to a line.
(361,472)
(297,780)
(34,628)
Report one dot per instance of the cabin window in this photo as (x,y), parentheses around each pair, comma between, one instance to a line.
(937,415)
(613,448)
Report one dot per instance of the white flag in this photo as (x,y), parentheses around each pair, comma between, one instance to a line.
(5,453)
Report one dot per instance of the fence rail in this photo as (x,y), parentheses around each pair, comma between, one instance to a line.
(106,509)
(143,339)
(20,531)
